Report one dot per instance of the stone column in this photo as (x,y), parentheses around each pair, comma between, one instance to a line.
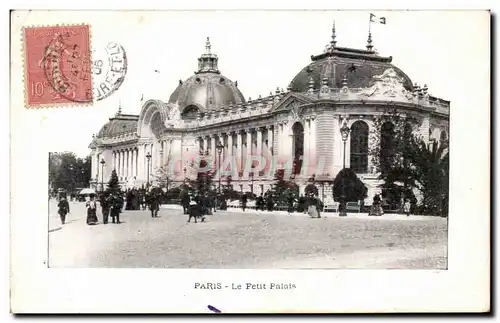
(270,139)
(307,140)
(259,146)
(239,150)
(259,141)
(230,144)
(118,158)
(224,150)
(279,149)
(127,170)
(205,143)
(249,148)
(132,171)
(130,164)
(213,151)
(312,147)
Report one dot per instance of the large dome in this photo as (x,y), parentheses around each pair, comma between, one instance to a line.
(337,65)
(207,89)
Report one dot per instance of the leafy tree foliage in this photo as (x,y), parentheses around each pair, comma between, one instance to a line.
(68,171)
(311,189)
(228,190)
(203,183)
(283,190)
(424,167)
(347,184)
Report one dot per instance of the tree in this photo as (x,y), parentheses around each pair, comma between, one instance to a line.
(424,167)
(283,189)
(228,191)
(389,138)
(164,178)
(430,168)
(202,184)
(311,189)
(347,185)
(68,171)
(113,184)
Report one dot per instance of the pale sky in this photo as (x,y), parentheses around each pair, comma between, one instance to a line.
(262,50)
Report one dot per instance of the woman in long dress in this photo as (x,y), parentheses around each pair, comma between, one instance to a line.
(92,211)
(312,210)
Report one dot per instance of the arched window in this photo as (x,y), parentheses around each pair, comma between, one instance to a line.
(386,146)
(298,146)
(190,113)
(359,147)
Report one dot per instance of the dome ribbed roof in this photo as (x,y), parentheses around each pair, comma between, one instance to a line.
(207,89)
(119,125)
(355,67)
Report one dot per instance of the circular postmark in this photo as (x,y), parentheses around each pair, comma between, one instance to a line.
(67,68)
(109,68)
(72,74)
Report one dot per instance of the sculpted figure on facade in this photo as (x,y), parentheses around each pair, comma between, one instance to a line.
(387,84)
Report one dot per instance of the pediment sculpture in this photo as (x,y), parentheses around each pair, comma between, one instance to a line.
(388,84)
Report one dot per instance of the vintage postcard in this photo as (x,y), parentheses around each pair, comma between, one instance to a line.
(258,161)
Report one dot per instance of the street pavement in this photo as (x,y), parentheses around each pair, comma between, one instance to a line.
(233,239)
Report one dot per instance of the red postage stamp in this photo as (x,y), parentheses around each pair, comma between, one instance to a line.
(57,66)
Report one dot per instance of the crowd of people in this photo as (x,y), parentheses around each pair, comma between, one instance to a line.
(197,206)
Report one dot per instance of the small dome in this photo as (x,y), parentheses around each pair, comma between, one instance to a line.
(119,125)
(207,89)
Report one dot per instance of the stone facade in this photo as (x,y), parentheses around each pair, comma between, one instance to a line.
(207,110)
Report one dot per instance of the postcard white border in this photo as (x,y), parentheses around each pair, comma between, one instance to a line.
(463,287)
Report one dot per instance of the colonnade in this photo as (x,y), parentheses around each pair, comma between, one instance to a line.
(240,145)
(126,163)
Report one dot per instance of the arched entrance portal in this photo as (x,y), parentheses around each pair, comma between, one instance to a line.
(298,146)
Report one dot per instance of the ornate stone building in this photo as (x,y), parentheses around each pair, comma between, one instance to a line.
(297,129)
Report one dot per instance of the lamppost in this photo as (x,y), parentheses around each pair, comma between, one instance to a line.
(251,183)
(219,152)
(344,131)
(148,157)
(204,179)
(102,174)
(71,179)
(82,178)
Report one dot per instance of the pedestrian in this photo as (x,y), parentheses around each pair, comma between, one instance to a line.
(290,203)
(185,202)
(376,208)
(92,211)
(154,206)
(312,209)
(407,207)
(244,200)
(260,203)
(105,206)
(195,212)
(116,207)
(63,209)
(270,202)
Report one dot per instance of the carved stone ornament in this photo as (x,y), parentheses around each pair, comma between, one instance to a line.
(388,84)
(294,109)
